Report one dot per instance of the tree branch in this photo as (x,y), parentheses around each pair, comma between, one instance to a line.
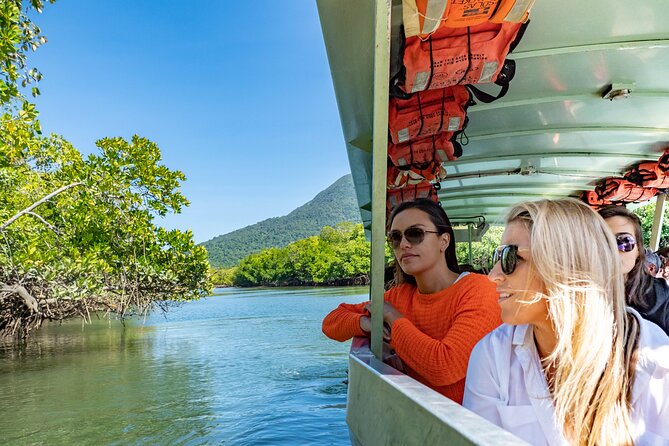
(40,218)
(37,203)
(30,301)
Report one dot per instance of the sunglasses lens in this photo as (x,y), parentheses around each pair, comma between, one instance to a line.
(625,242)
(507,256)
(414,235)
(394,238)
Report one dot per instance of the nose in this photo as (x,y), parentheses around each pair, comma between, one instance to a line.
(404,243)
(496,275)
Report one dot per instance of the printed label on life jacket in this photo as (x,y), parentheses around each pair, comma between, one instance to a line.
(472,8)
(487,72)
(403,135)
(518,11)
(420,81)
(453,124)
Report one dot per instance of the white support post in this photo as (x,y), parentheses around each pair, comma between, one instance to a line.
(379,160)
(656,231)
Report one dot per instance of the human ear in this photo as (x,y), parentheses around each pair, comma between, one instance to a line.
(445,241)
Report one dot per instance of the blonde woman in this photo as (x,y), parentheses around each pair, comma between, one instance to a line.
(571,364)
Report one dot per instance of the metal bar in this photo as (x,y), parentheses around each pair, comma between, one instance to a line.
(584,97)
(498,196)
(656,230)
(448,208)
(532,154)
(545,130)
(548,171)
(469,242)
(497,187)
(630,45)
(379,162)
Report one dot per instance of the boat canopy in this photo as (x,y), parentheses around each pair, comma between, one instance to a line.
(590,98)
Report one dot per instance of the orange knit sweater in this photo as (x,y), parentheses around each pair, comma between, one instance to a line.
(437,333)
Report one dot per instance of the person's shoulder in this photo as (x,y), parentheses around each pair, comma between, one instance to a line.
(653,344)
(501,338)
(477,286)
(402,289)
(493,349)
(475,280)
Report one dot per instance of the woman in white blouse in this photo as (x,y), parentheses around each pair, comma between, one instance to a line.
(571,364)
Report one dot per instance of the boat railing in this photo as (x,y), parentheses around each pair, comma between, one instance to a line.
(385,407)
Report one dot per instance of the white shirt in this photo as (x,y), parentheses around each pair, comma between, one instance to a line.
(506,385)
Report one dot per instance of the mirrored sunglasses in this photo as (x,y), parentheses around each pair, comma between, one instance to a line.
(626,242)
(413,235)
(507,255)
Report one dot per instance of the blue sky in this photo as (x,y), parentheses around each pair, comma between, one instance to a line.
(237,95)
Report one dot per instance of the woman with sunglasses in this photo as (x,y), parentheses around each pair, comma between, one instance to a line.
(571,364)
(645,293)
(433,315)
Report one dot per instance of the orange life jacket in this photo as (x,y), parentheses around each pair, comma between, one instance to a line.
(428,113)
(422,159)
(619,190)
(452,56)
(663,162)
(421,190)
(399,178)
(423,17)
(648,174)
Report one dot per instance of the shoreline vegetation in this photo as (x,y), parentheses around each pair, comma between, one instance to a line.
(339,256)
(77,234)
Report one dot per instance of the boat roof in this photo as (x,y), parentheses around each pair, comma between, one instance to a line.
(553,134)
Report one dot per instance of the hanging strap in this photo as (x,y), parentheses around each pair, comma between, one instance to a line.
(503,80)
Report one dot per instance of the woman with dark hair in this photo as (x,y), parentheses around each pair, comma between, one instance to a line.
(433,314)
(645,293)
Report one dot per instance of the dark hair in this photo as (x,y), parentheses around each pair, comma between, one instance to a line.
(437,216)
(638,283)
(663,252)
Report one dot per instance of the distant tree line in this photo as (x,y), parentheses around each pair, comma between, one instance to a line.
(340,256)
(337,256)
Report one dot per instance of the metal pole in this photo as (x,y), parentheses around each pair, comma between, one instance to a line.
(469,240)
(379,160)
(656,231)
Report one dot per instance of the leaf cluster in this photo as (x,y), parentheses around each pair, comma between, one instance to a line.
(336,256)
(96,241)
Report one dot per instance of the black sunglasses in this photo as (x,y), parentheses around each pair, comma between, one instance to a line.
(508,256)
(625,241)
(414,236)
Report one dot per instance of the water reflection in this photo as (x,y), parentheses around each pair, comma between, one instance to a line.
(105,382)
(241,367)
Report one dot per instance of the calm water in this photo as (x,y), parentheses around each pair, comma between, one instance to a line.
(241,367)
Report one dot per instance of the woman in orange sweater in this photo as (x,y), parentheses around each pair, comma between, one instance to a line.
(435,314)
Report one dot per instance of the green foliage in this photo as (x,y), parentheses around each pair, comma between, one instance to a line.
(223,276)
(77,235)
(335,204)
(336,256)
(96,240)
(646,214)
(481,251)
(18,35)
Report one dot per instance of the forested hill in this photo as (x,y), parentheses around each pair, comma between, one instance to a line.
(335,204)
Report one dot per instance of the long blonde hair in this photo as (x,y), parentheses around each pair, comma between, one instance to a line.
(575,255)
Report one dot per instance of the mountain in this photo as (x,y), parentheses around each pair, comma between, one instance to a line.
(333,205)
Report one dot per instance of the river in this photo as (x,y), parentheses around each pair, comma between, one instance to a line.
(242,367)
